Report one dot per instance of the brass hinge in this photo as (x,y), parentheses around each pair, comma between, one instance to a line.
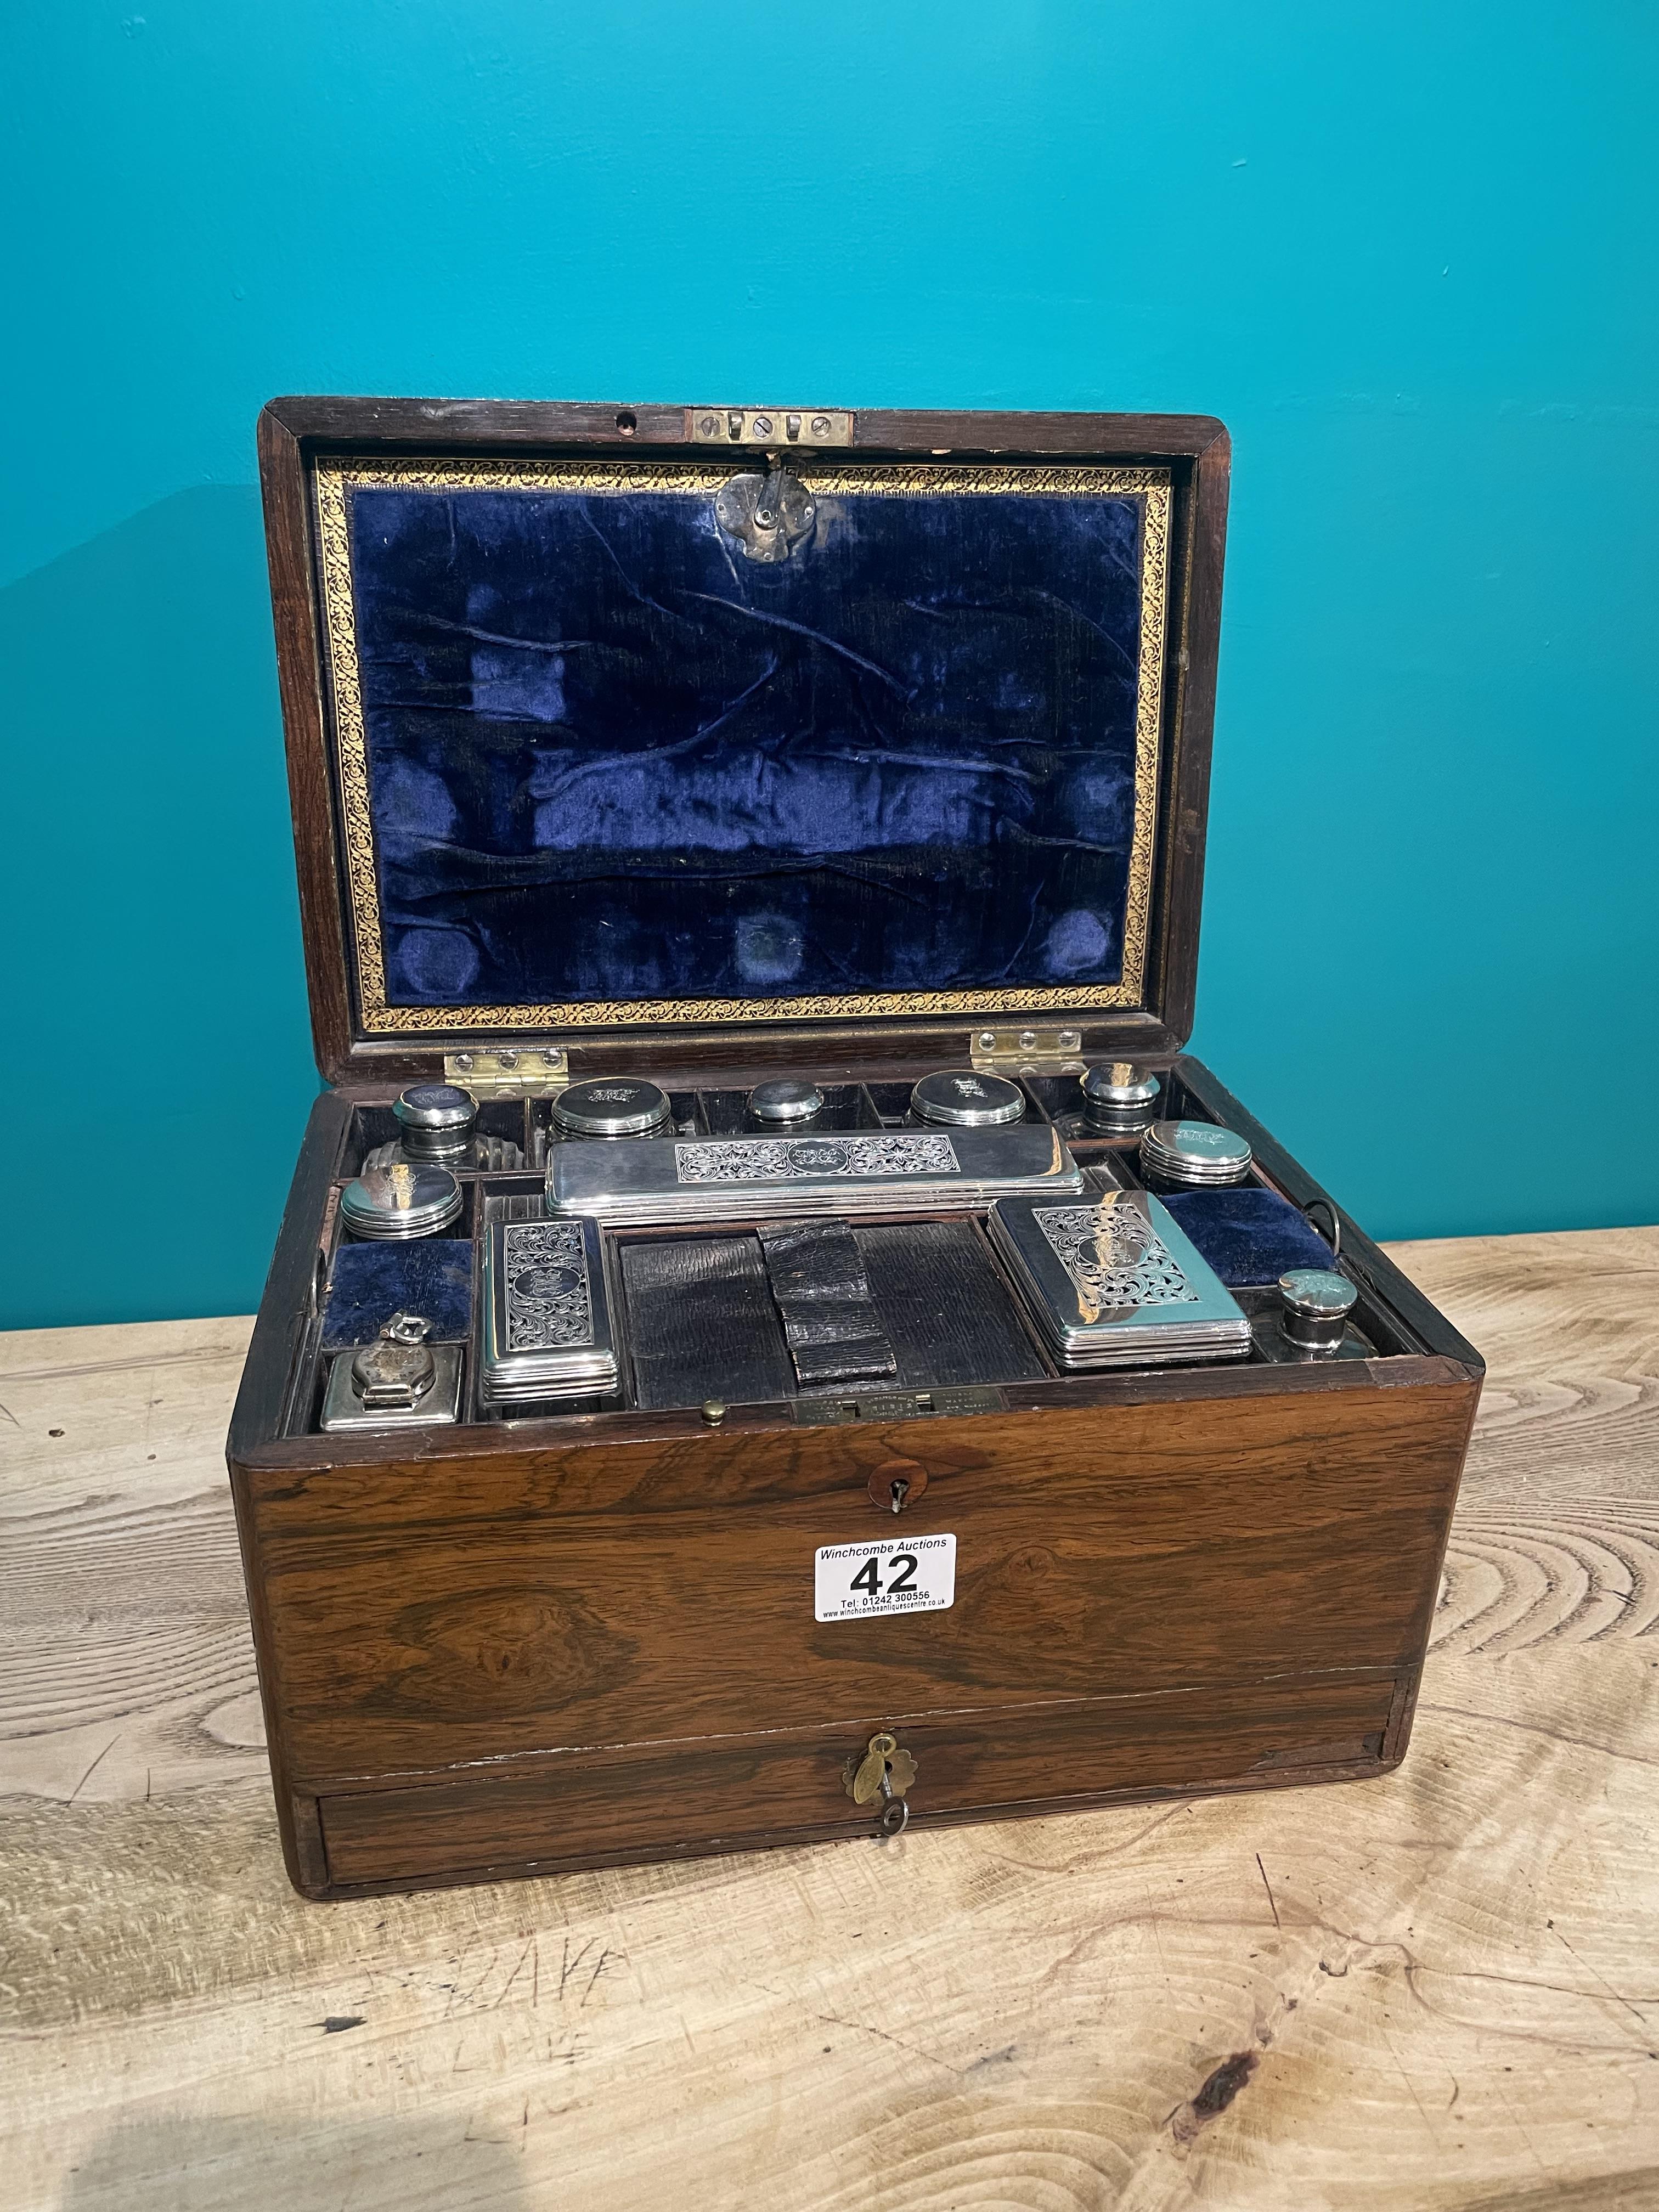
(514,1072)
(1028,1051)
(772,428)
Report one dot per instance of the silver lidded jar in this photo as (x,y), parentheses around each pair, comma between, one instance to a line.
(1193,1155)
(612,1106)
(435,1122)
(1316,1302)
(1119,1100)
(966,1099)
(411,1198)
(785,1100)
(1115,1087)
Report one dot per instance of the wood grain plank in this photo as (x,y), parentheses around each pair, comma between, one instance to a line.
(1438,1989)
(126,1665)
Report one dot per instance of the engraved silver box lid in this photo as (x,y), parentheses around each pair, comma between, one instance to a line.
(1195,1152)
(1115,1282)
(546,1328)
(966,1098)
(862,1171)
(410,1198)
(612,1106)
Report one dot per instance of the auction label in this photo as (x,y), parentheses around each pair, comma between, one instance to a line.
(856,1582)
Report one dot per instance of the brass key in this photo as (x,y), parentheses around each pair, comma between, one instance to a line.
(865,1781)
(883,1772)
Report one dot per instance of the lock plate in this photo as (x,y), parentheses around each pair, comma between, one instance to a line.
(768,516)
(899,1405)
(769,427)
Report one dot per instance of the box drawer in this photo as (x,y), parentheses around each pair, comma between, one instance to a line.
(667,1801)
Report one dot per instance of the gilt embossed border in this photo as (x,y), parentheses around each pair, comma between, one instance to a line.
(337,479)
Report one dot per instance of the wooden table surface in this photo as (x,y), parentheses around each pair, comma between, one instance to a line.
(1437,1990)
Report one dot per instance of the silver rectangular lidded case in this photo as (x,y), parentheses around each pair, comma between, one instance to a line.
(1113,1280)
(668,1179)
(547,1333)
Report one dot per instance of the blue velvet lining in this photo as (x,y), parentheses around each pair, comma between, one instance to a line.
(1249,1236)
(611,758)
(372,1282)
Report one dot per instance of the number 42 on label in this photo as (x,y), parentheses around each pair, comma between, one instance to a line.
(862,1581)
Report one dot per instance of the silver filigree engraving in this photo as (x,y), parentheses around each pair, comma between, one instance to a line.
(812,1159)
(1114,1263)
(549,1304)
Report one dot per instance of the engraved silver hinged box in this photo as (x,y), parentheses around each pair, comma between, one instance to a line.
(546,1321)
(1115,1282)
(863,1171)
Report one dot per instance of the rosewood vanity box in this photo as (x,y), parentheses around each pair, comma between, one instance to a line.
(703,747)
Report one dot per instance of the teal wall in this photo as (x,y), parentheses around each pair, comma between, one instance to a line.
(1406,252)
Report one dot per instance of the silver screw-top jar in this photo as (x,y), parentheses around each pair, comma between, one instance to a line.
(1193,1155)
(785,1099)
(1317,1303)
(967,1099)
(612,1106)
(411,1198)
(1119,1100)
(1117,1086)
(435,1122)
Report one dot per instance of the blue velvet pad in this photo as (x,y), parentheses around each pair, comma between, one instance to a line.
(611,758)
(1249,1236)
(372,1282)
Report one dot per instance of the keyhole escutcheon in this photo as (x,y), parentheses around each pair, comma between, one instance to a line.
(896,1484)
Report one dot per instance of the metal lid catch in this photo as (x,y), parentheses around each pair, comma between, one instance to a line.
(769,515)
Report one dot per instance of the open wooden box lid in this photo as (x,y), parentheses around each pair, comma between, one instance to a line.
(763,735)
